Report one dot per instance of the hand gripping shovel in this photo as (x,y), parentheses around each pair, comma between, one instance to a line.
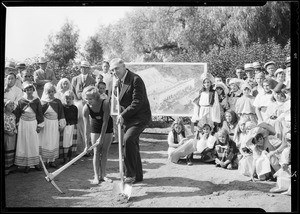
(122,189)
(50,176)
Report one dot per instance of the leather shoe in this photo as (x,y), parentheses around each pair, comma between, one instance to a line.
(38,168)
(26,169)
(129,180)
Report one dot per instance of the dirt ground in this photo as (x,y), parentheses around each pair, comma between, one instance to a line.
(165,185)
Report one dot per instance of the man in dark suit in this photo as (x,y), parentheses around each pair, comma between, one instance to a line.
(78,84)
(135,115)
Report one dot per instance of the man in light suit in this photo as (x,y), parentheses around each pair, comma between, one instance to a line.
(42,76)
(135,115)
(78,84)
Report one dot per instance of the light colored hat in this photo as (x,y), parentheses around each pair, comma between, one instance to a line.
(246,85)
(85,64)
(269,63)
(288,60)
(279,70)
(21,65)
(116,62)
(288,136)
(236,81)
(27,84)
(207,75)
(42,60)
(10,65)
(268,127)
(222,85)
(248,67)
(256,65)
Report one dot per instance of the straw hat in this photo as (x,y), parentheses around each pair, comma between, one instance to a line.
(42,60)
(207,75)
(269,63)
(268,127)
(288,61)
(222,85)
(10,65)
(279,70)
(248,67)
(85,64)
(21,65)
(256,65)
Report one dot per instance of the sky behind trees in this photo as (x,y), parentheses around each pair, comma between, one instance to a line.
(27,28)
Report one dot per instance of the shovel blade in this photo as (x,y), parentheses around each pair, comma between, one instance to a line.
(122,188)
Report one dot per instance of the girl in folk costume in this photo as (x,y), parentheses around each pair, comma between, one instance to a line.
(225,151)
(206,143)
(240,132)
(258,143)
(258,89)
(262,101)
(244,105)
(180,145)
(63,85)
(246,155)
(10,132)
(222,91)
(284,173)
(30,119)
(207,102)
(69,133)
(230,123)
(275,109)
(235,92)
(54,122)
(280,75)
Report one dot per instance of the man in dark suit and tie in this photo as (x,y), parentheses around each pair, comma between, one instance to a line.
(78,84)
(135,115)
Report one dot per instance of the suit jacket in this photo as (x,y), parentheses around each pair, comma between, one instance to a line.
(78,85)
(134,101)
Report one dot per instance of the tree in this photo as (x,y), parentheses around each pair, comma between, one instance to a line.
(62,46)
(93,49)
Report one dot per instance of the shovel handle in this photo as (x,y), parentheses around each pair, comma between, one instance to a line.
(120,137)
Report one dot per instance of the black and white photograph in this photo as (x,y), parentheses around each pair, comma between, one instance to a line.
(150,106)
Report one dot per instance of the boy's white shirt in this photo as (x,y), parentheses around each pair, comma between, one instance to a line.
(206,143)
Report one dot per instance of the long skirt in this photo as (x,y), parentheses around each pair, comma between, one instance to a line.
(246,165)
(49,141)
(68,142)
(9,150)
(27,151)
(186,149)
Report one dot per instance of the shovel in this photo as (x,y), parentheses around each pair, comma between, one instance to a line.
(121,188)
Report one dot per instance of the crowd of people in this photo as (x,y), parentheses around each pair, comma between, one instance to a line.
(243,123)
(49,118)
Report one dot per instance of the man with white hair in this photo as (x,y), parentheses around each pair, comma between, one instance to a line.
(135,115)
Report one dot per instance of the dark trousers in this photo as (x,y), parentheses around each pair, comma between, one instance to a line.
(132,158)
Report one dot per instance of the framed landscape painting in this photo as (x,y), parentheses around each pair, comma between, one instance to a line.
(171,87)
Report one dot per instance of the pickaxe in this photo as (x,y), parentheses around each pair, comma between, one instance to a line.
(50,176)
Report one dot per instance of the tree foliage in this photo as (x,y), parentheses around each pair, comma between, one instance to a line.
(93,49)
(62,47)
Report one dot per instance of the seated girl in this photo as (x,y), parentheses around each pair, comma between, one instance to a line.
(225,151)
(206,141)
(179,145)
(230,122)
